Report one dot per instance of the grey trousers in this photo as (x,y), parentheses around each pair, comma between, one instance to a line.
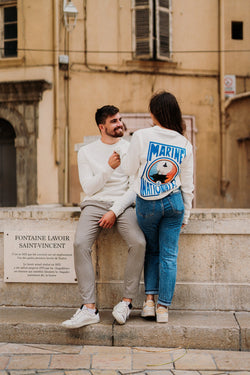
(87,232)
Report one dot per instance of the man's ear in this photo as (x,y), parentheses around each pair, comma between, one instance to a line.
(101,127)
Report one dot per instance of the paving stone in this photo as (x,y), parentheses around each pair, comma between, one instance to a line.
(112,361)
(195,360)
(181,372)
(95,350)
(24,372)
(232,360)
(157,372)
(78,372)
(70,361)
(103,372)
(73,349)
(224,373)
(152,361)
(30,349)
(27,362)
(144,357)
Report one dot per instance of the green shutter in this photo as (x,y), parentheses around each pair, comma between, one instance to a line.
(143,29)
(163,27)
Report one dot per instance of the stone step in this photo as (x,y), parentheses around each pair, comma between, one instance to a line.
(186,329)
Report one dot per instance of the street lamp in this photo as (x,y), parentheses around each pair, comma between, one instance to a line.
(70,15)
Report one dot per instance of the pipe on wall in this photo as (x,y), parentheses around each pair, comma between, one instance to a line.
(66,130)
(56,80)
(224,183)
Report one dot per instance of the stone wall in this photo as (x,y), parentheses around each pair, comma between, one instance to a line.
(213,262)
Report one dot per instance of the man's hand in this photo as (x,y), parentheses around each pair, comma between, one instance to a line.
(114,160)
(108,220)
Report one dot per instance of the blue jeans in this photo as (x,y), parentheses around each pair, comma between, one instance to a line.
(161,222)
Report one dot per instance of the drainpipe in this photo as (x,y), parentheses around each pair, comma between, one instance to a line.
(56,80)
(224,183)
(66,133)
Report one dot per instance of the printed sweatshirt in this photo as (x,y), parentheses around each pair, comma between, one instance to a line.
(162,161)
(101,182)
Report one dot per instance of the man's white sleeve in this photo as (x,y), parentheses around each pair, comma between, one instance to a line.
(91,183)
(128,199)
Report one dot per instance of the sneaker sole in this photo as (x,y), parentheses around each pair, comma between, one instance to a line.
(162,320)
(81,325)
(148,315)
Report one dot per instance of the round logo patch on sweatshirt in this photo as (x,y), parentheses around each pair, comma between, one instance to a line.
(162,171)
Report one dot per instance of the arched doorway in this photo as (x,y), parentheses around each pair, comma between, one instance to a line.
(8,186)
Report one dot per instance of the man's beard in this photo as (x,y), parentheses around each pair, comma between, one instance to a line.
(116,133)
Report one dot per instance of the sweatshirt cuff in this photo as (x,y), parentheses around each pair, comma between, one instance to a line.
(118,210)
(186,216)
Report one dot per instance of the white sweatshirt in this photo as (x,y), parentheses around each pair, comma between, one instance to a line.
(101,182)
(162,161)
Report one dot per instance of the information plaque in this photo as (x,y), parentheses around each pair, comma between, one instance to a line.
(39,257)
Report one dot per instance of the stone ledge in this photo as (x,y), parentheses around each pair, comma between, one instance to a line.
(199,330)
(202,221)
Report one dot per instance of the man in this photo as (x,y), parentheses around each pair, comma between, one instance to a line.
(108,200)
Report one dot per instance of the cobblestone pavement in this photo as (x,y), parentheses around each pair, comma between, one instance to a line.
(31,359)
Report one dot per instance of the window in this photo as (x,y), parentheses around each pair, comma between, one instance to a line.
(8,30)
(237,30)
(152,25)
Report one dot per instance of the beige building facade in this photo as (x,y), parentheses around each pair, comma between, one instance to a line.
(54,76)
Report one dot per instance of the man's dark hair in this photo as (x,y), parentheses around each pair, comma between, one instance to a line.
(167,112)
(104,112)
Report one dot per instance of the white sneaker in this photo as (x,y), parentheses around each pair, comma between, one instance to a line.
(148,309)
(81,318)
(162,314)
(121,312)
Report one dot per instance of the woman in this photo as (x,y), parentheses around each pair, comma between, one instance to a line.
(161,158)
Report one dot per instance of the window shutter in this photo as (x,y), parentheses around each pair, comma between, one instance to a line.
(143,29)
(163,27)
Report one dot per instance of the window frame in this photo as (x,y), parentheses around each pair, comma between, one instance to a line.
(3,5)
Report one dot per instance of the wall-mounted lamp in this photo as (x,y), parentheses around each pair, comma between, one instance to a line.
(70,15)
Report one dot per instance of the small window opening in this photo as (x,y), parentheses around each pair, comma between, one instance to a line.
(237,30)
